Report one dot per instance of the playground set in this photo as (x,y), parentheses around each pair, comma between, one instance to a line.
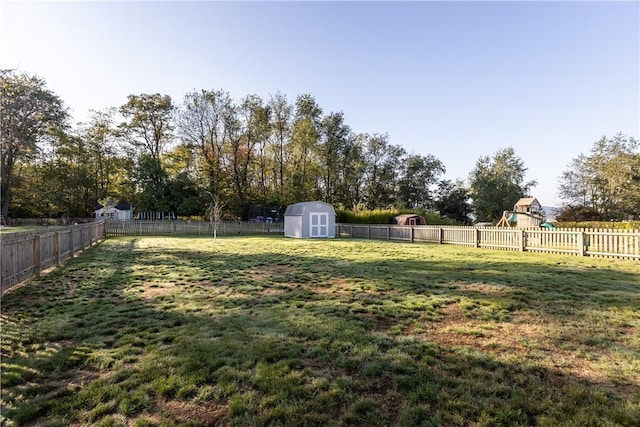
(526,213)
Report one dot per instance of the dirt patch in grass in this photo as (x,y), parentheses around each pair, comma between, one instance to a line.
(483,288)
(202,414)
(275,291)
(524,334)
(270,271)
(335,286)
(154,290)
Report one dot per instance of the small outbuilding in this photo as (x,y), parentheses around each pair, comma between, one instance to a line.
(121,211)
(310,220)
(409,219)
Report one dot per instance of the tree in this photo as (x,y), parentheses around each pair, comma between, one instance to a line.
(419,174)
(100,137)
(496,184)
(351,172)
(334,136)
(148,122)
(383,162)
(28,114)
(578,213)
(304,168)
(149,130)
(607,180)
(181,187)
(280,112)
(452,201)
(247,132)
(201,125)
(70,182)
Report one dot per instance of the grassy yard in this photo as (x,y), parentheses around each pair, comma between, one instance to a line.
(271,331)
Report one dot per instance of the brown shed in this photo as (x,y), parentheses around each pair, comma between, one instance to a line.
(409,219)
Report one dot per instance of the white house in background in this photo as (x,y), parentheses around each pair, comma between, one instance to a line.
(121,211)
(310,219)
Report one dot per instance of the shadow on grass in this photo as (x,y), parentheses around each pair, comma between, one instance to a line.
(205,337)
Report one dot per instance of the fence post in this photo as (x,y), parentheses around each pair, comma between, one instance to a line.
(412,233)
(36,255)
(523,240)
(581,248)
(477,237)
(388,232)
(56,247)
(71,243)
(441,235)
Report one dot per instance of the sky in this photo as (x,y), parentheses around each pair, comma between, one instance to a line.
(458,80)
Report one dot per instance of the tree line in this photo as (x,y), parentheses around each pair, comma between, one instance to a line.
(246,156)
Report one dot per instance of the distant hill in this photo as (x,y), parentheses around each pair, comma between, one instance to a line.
(550,212)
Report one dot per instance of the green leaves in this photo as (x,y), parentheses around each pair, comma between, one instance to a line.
(497,183)
(606,181)
(29,113)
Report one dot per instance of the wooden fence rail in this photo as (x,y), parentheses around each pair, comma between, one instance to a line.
(151,228)
(583,242)
(24,255)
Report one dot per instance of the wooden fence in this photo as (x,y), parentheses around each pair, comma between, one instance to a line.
(26,254)
(584,242)
(151,228)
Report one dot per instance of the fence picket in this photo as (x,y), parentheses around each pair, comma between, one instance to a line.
(582,242)
(27,254)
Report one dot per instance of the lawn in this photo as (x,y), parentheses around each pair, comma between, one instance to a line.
(250,331)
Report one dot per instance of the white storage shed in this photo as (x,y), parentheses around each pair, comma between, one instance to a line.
(310,219)
(121,211)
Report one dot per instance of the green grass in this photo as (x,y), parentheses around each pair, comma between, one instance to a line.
(18,228)
(253,331)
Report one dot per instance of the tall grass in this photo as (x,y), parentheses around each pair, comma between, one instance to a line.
(385,216)
(618,225)
(259,331)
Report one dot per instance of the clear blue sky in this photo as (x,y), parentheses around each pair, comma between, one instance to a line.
(454,79)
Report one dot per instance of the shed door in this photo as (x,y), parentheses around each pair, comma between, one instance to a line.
(319,224)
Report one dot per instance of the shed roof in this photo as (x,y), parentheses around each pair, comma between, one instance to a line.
(409,219)
(298,209)
(405,216)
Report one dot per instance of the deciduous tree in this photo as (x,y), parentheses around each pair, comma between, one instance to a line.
(496,184)
(148,128)
(418,175)
(607,180)
(452,201)
(28,114)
